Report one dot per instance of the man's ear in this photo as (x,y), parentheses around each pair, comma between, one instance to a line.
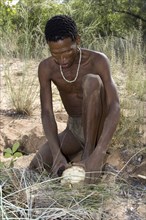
(78,40)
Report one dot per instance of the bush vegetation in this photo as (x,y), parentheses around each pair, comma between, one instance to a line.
(118,29)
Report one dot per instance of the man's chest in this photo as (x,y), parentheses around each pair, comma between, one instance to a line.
(72,82)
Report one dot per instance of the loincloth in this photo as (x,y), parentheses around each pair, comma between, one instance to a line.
(75,126)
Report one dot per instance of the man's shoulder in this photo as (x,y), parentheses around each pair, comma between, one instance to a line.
(95,54)
(47,65)
(46,62)
(100,63)
(90,51)
(44,68)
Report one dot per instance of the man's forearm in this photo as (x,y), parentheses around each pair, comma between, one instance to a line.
(109,128)
(51,133)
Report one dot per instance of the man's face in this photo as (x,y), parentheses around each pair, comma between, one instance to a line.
(64,51)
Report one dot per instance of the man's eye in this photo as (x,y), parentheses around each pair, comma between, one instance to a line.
(55,56)
(70,51)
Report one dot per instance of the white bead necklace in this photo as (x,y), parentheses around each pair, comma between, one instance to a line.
(71,81)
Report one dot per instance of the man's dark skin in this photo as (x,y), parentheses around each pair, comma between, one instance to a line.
(93,97)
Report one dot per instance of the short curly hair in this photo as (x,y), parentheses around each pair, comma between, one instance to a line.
(60,27)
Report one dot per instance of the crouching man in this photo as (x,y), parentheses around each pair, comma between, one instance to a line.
(88,93)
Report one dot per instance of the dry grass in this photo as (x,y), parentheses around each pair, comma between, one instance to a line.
(22,87)
(23,198)
(26,195)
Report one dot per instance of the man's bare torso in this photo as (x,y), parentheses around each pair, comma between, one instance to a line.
(71,93)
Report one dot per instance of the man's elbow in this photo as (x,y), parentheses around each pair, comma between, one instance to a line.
(114,110)
(117,111)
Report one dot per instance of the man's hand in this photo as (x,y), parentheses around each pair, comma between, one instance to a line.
(59,165)
(93,167)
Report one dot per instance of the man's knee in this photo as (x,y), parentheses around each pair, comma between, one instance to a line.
(42,159)
(92,83)
(37,163)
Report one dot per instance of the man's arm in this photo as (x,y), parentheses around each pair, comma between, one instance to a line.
(113,106)
(94,163)
(47,115)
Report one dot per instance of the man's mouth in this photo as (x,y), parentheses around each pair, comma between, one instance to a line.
(64,65)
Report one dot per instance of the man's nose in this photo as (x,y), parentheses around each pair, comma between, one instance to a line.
(62,60)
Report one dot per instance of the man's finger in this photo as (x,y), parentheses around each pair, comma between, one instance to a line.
(60,171)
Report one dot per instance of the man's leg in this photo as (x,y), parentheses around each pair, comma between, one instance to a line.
(94,111)
(42,159)
(69,146)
